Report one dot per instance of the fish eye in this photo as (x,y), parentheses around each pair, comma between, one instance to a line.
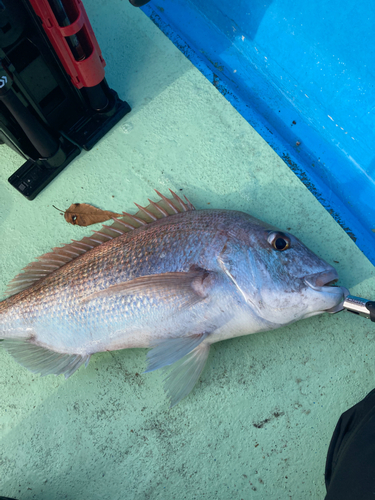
(279,241)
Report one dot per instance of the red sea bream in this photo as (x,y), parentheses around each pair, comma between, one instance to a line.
(171,278)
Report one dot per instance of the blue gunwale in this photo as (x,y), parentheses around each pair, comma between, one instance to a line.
(279,109)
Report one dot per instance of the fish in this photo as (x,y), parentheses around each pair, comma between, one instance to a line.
(169,278)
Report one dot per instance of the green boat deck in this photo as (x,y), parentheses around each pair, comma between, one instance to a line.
(258,424)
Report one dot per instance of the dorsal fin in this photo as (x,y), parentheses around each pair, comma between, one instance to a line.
(51,261)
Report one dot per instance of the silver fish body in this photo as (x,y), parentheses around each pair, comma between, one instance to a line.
(177,284)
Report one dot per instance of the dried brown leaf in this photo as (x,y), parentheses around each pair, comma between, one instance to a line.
(83,214)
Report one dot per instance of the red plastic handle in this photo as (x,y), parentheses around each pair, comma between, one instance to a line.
(89,71)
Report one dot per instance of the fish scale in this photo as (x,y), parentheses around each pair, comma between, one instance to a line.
(179,281)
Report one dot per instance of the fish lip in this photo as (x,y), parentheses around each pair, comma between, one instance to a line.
(320,283)
(319,280)
(340,306)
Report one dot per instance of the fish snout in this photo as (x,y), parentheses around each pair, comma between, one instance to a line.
(323,279)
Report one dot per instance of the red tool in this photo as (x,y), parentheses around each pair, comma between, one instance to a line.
(75,42)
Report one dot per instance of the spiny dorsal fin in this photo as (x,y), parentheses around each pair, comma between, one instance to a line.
(51,261)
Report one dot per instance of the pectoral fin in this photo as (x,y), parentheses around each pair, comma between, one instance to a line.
(187,355)
(191,287)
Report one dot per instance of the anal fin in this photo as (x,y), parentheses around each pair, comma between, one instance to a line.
(38,359)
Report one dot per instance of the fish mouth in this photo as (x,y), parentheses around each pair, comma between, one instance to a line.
(322,282)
